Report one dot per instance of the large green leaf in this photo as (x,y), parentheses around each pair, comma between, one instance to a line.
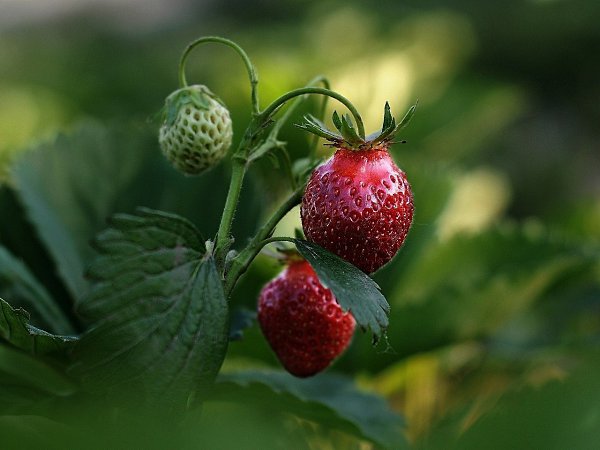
(21,287)
(69,187)
(353,289)
(19,370)
(19,237)
(559,415)
(159,312)
(330,400)
(29,370)
(472,285)
(15,329)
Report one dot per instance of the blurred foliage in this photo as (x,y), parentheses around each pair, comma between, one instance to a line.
(495,322)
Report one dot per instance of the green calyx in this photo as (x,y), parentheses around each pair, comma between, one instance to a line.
(347,135)
(197,96)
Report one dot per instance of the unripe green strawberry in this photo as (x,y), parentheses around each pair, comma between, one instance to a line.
(196,132)
(302,321)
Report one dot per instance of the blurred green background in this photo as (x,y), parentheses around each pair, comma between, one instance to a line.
(496,296)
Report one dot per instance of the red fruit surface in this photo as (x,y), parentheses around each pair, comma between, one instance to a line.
(302,321)
(359,206)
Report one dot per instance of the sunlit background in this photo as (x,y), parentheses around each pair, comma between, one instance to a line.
(495,302)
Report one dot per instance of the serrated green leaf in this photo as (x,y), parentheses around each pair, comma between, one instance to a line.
(329,400)
(21,287)
(68,187)
(15,329)
(353,289)
(160,317)
(472,285)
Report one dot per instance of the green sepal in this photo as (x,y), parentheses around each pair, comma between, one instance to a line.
(389,129)
(347,131)
(407,118)
(388,119)
(346,128)
(198,96)
(315,126)
(336,121)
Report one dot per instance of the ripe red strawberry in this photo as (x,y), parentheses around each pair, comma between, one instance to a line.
(302,321)
(359,204)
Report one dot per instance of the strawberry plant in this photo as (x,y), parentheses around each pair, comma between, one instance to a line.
(152,318)
(216,278)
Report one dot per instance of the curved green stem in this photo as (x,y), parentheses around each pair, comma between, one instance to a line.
(241,263)
(290,110)
(269,110)
(284,118)
(252,75)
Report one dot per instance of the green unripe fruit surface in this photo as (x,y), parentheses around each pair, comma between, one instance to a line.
(196,133)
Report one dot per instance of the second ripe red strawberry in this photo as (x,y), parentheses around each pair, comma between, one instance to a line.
(301,320)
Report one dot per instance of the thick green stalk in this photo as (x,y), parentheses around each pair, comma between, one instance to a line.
(240,264)
(223,241)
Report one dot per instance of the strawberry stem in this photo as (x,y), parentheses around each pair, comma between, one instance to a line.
(224,240)
(252,74)
(294,106)
(241,263)
(273,107)
(284,118)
